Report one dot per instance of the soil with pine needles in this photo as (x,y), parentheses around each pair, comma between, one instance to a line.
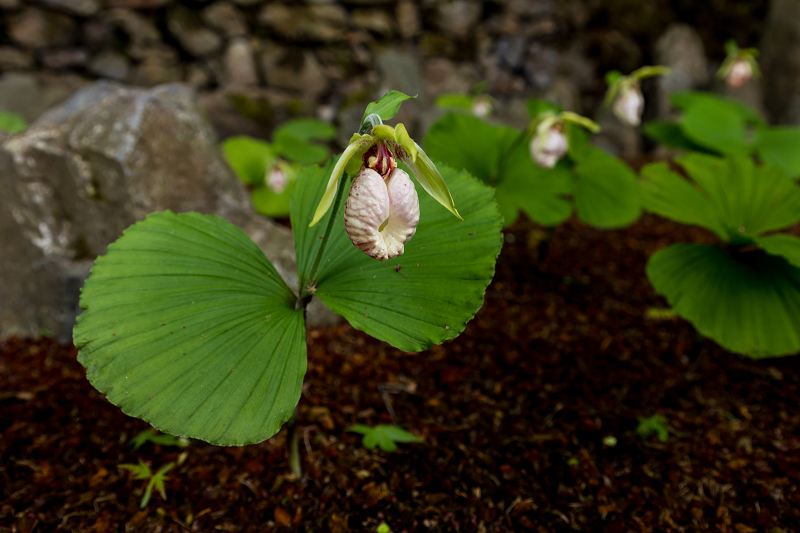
(519,416)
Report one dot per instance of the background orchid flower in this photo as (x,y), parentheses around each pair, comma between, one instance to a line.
(403,149)
(625,94)
(739,66)
(549,142)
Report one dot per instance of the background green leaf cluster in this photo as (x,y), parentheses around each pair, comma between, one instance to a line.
(295,143)
(599,187)
(722,126)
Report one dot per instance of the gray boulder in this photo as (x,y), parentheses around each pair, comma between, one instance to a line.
(87,170)
(681,49)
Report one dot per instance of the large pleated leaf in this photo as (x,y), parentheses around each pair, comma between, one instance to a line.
(748,200)
(786,246)
(669,195)
(747,302)
(421,298)
(732,197)
(780,146)
(187,325)
(606,191)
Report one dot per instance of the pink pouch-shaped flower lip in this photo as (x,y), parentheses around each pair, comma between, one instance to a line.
(381,216)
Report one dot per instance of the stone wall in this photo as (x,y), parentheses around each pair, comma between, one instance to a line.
(270,60)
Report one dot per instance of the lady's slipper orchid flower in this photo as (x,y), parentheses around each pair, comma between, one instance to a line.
(549,142)
(739,66)
(382,208)
(277,178)
(629,105)
(380,216)
(625,93)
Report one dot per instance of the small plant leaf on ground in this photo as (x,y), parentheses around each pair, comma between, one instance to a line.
(148,435)
(155,481)
(383,436)
(653,425)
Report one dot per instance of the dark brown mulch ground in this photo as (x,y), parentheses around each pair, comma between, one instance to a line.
(514,414)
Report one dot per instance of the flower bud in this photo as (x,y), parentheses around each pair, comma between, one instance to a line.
(381,216)
(629,105)
(740,73)
(548,144)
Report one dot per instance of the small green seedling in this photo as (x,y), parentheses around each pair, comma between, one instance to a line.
(610,441)
(142,471)
(384,436)
(148,435)
(12,122)
(383,527)
(653,425)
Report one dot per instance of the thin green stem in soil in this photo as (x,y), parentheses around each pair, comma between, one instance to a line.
(305,295)
(294,449)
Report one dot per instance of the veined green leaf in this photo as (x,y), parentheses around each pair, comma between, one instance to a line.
(748,302)
(388,106)
(779,146)
(782,245)
(671,196)
(746,199)
(187,325)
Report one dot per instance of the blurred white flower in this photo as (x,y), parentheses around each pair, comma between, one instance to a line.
(629,104)
(548,144)
(380,216)
(482,106)
(740,73)
(276,180)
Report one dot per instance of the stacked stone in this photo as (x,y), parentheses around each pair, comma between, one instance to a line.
(272,59)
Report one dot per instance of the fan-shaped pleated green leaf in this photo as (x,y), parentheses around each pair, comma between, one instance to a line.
(671,196)
(748,302)
(606,191)
(732,197)
(786,246)
(421,298)
(780,146)
(187,325)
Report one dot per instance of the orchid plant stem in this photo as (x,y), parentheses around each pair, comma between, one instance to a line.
(305,295)
(294,451)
